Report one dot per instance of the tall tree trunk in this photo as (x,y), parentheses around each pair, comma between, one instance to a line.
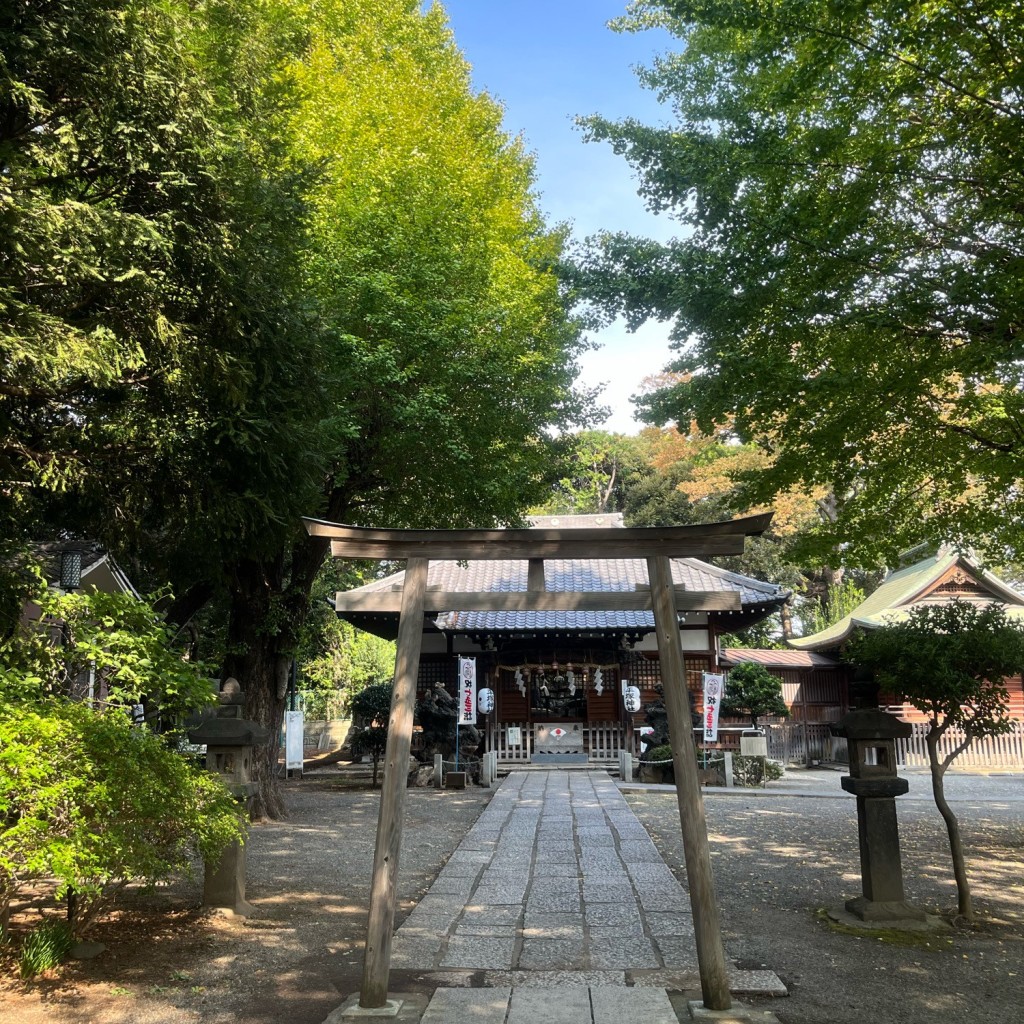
(254,659)
(269,604)
(938,771)
(786,618)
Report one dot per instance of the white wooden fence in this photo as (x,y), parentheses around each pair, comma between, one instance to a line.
(1006,751)
(796,743)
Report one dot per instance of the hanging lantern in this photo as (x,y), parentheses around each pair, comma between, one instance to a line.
(485,700)
(631,699)
(70,569)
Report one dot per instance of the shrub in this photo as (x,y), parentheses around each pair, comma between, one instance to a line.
(753,771)
(90,800)
(86,797)
(662,753)
(45,947)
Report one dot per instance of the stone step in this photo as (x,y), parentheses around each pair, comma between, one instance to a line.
(507,767)
(559,1004)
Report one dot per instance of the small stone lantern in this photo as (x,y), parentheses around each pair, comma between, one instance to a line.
(229,740)
(871,737)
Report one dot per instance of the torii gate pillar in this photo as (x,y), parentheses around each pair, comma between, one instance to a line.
(383,886)
(714,979)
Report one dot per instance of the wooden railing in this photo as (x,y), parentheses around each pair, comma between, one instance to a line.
(601,740)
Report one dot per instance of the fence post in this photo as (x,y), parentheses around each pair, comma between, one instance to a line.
(627,766)
(728,768)
(438,771)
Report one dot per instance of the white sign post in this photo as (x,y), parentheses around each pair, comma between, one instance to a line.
(293,745)
(714,690)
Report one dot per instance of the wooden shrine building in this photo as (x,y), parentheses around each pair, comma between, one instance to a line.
(558,674)
(935,577)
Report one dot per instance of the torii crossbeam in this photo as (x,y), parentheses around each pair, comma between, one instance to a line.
(658,546)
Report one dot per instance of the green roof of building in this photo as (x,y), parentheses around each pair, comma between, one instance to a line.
(897,594)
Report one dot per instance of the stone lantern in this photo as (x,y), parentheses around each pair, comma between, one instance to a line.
(229,740)
(871,737)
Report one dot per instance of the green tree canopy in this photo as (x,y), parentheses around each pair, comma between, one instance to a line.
(263,260)
(848,181)
(752,691)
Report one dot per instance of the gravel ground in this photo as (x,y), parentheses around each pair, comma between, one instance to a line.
(778,861)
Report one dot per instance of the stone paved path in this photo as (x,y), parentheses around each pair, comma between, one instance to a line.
(558,884)
(557,874)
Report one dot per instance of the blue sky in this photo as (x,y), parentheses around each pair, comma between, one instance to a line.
(547,63)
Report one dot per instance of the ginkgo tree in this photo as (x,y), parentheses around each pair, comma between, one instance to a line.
(266,260)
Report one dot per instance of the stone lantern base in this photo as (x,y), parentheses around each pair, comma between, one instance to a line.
(873,910)
(224,882)
(901,917)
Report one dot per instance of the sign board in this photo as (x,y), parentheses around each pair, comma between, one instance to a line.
(714,690)
(514,735)
(467,691)
(293,740)
(753,746)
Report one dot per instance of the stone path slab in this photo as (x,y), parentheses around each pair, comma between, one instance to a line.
(580,1005)
(560,897)
(556,875)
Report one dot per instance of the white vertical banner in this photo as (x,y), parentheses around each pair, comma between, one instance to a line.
(293,745)
(467,691)
(714,690)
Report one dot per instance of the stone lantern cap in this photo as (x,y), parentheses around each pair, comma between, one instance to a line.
(231,692)
(229,732)
(864,724)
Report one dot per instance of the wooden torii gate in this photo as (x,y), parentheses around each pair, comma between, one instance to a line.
(657,546)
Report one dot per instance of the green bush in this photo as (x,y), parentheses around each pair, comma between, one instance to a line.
(753,771)
(663,753)
(90,800)
(45,947)
(86,797)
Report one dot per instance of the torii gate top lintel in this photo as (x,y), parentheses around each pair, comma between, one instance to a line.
(722,538)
